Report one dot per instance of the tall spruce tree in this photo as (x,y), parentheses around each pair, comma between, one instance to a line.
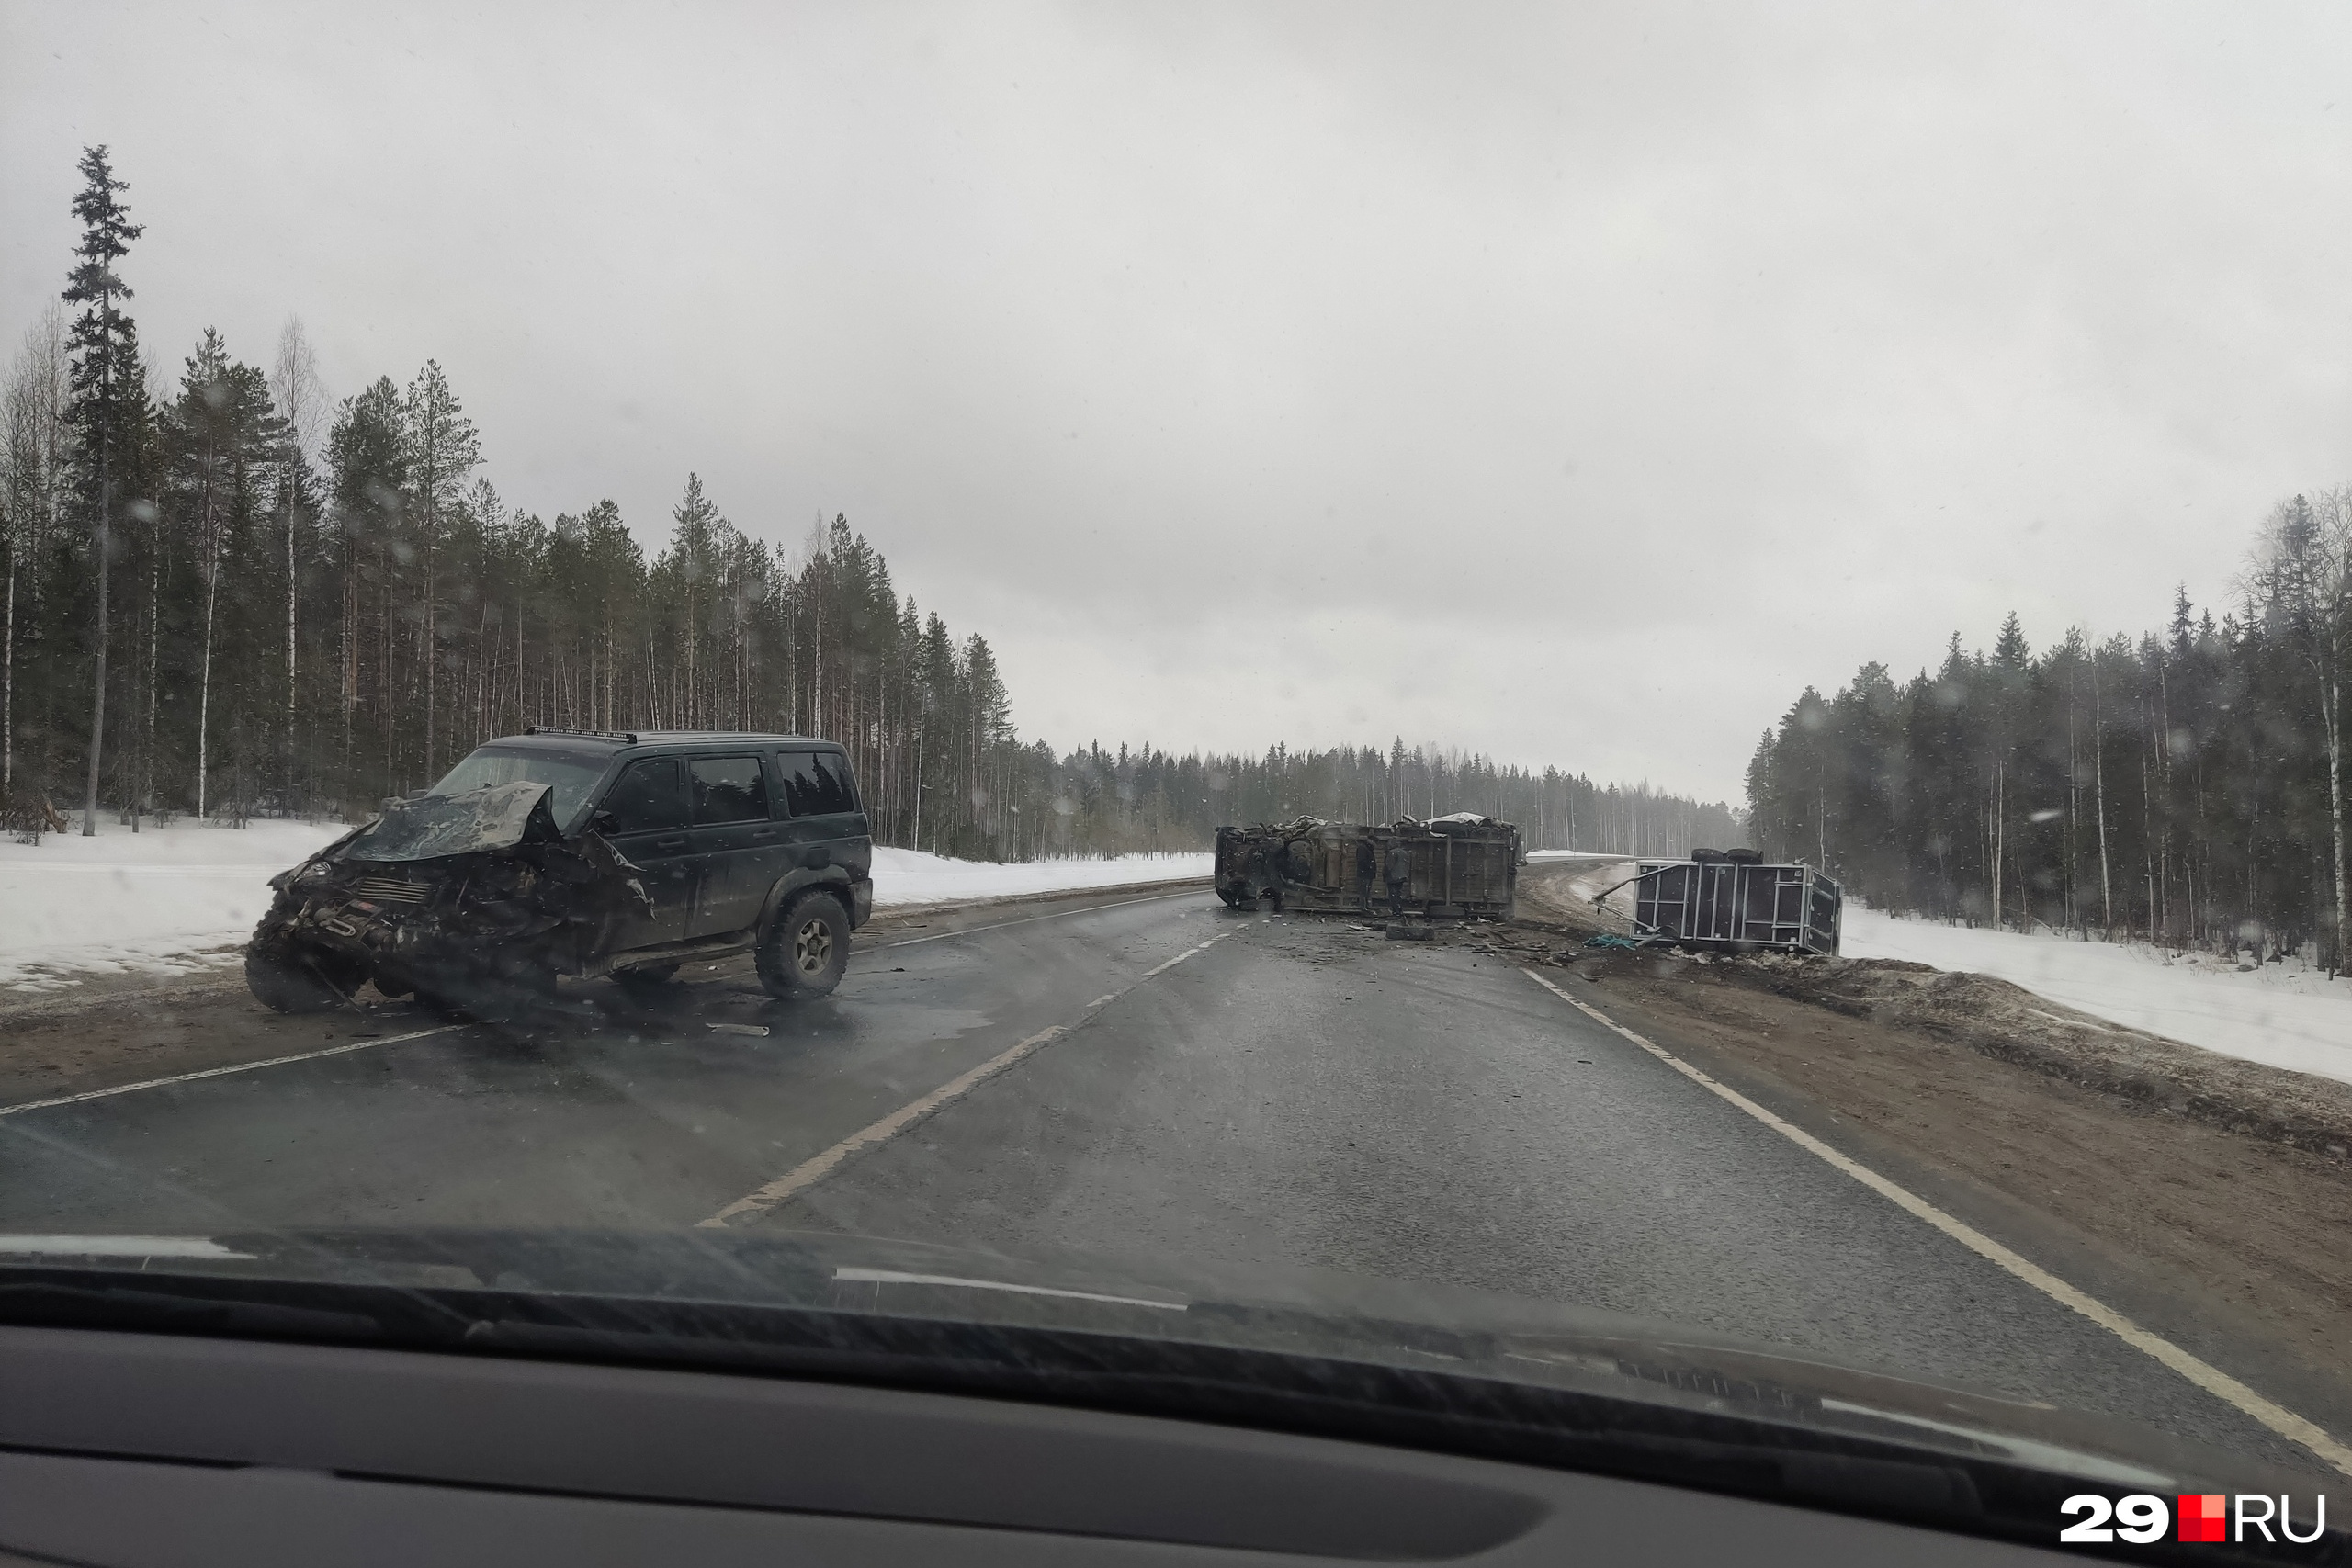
(108,391)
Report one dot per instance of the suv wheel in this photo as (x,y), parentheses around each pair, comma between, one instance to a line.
(806,949)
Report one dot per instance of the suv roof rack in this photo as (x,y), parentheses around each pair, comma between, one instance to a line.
(624,735)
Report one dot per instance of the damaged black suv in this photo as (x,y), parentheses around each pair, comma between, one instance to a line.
(561,852)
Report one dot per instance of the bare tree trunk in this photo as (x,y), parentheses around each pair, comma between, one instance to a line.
(2332,707)
(2098,768)
(290,640)
(8,674)
(98,685)
(204,684)
(154,664)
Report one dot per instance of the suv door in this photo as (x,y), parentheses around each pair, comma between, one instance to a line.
(741,850)
(825,827)
(644,815)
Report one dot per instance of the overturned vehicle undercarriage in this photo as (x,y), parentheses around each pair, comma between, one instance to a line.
(471,901)
(1461,866)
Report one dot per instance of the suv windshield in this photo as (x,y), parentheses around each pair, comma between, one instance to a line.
(569,775)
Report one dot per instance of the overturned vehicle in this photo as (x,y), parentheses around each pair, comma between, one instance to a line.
(560,853)
(1459,867)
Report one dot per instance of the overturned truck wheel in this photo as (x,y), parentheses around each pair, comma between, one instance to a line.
(286,978)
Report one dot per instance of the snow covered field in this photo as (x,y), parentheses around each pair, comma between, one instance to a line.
(182,899)
(2285,1017)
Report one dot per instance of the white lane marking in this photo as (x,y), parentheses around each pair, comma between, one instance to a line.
(1033,919)
(809,1172)
(893,1277)
(344,1049)
(1175,961)
(2212,1379)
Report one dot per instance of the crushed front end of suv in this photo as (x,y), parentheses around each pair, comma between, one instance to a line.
(454,898)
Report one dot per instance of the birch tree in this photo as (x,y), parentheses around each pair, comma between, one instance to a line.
(300,402)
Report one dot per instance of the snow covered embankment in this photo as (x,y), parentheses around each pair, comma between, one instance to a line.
(915,877)
(2292,1019)
(182,899)
(163,900)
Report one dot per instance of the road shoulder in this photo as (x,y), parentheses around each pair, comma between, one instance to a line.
(2224,1243)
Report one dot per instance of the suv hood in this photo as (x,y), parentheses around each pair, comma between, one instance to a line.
(431,826)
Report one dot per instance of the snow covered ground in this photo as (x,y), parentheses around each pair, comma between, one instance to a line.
(162,900)
(182,899)
(913,876)
(2286,1017)
(1592,876)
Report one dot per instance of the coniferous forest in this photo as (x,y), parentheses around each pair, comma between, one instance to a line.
(2186,786)
(228,593)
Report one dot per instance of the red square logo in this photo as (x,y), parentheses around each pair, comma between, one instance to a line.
(2204,1515)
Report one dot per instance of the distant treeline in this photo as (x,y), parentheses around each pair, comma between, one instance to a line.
(1102,802)
(225,592)
(2187,786)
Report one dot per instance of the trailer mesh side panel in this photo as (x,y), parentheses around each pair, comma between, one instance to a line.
(1732,904)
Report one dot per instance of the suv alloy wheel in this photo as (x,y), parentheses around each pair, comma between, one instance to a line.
(806,949)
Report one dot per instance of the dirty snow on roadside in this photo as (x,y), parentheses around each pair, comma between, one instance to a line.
(915,877)
(163,900)
(2292,1019)
(182,899)
(1592,876)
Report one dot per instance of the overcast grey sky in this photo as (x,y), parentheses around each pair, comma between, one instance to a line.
(1574,383)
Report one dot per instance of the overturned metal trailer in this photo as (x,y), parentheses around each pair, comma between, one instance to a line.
(1733,900)
(1461,866)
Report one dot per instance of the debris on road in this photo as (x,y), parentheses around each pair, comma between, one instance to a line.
(759,1029)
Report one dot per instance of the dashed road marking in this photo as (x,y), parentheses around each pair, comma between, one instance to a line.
(809,1172)
(342,1050)
(2212,1379)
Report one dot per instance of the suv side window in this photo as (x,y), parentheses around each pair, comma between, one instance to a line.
(649,795)
(729,789)
(816,784)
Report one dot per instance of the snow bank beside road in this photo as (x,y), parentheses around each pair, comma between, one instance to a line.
(2290,1019)
(184,898)
(913,876)
(163,900)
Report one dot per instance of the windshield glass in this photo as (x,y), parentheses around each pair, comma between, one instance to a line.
(1677,678)
(570,777)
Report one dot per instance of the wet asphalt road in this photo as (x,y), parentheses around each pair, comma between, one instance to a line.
(1298,1093)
